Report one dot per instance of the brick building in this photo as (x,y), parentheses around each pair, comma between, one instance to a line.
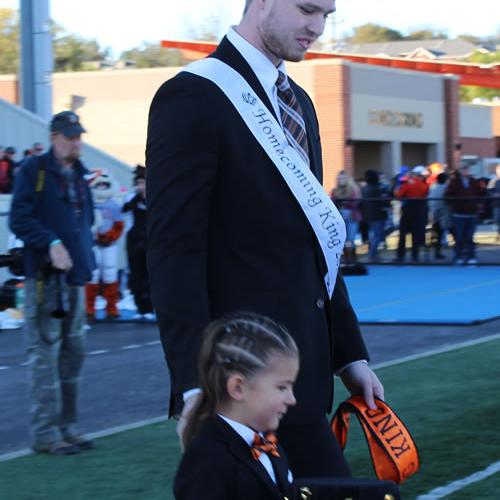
(370,116)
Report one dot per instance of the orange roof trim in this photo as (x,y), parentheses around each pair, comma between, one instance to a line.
(469,74)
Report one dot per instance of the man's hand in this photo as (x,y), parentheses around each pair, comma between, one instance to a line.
(189,405)
(360,379)
(59,257)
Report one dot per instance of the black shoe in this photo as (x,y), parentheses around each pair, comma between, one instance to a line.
(57,448)
(81,442)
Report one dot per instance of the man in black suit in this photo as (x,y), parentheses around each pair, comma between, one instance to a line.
(226,232)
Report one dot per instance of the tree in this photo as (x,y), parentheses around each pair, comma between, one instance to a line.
(470,38)
(73,53)
(426,35)
(468,92)
(9,41)
(152,55)
(372,33)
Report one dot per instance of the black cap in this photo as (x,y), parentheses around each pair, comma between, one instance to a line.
(11,150)
(139,172)
(67,123)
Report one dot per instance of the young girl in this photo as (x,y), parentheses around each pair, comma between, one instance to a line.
(248,365)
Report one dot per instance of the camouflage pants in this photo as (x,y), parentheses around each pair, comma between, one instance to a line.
(56,350)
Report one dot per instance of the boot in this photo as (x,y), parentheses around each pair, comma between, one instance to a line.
(353,255)
(349,254)
(111,294)
(91,292)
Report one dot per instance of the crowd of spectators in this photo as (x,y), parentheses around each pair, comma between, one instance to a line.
(432,200)
(418,201)
(9,164)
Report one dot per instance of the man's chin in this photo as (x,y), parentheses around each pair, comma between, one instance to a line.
(72,158)
(295,56)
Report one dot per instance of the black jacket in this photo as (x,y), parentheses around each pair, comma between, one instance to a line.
(218,465)
(40,218)
(226,234)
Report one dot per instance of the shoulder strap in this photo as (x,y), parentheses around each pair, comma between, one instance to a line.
(392,449)
(40,180)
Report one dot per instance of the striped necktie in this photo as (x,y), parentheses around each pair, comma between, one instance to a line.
(291,117)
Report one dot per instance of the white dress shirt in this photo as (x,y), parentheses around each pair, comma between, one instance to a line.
(265,71)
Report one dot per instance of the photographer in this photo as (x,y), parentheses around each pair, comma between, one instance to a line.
(52,213)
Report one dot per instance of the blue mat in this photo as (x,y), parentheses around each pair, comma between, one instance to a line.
(427,295)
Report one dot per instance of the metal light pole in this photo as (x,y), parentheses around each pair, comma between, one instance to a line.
(36,58)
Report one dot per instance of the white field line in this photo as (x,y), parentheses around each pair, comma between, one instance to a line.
(434,352)
(94,435)
(142,423)
(460,484)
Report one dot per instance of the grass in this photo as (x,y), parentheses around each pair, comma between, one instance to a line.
(449,403)
(137,464)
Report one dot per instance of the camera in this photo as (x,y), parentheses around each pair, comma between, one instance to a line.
(14,260)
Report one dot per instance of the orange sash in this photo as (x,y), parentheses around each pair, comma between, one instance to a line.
(393,451)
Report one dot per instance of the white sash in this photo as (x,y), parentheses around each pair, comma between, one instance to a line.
(323,216)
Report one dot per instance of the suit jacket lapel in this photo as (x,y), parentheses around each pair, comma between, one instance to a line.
(243,454)
(280,466)
(228,53)
(241,450)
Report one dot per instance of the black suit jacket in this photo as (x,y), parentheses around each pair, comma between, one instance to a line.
(218,465)
(226,234)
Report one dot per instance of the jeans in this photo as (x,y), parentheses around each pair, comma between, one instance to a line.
(56,349)
(375,236)
(464,227)
(413,223)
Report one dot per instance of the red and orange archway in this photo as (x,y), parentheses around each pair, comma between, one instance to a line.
(469,74)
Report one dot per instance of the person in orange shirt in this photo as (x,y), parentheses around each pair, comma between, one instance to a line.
(413,213)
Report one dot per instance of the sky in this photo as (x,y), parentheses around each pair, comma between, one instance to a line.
(124,24)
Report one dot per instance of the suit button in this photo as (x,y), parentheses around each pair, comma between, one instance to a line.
(320,304)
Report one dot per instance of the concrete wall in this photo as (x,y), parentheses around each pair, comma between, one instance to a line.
(477,133)
(20,128)
(9,89)
(476,121)
(354,102)
(116,106)
(394,105)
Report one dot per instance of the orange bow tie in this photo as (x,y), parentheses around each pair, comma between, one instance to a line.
(267,444)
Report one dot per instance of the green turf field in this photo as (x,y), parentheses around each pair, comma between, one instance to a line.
(450,403)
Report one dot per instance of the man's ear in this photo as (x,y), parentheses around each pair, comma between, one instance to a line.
(236,386)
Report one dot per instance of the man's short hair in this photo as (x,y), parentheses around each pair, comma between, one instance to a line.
(247,4)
